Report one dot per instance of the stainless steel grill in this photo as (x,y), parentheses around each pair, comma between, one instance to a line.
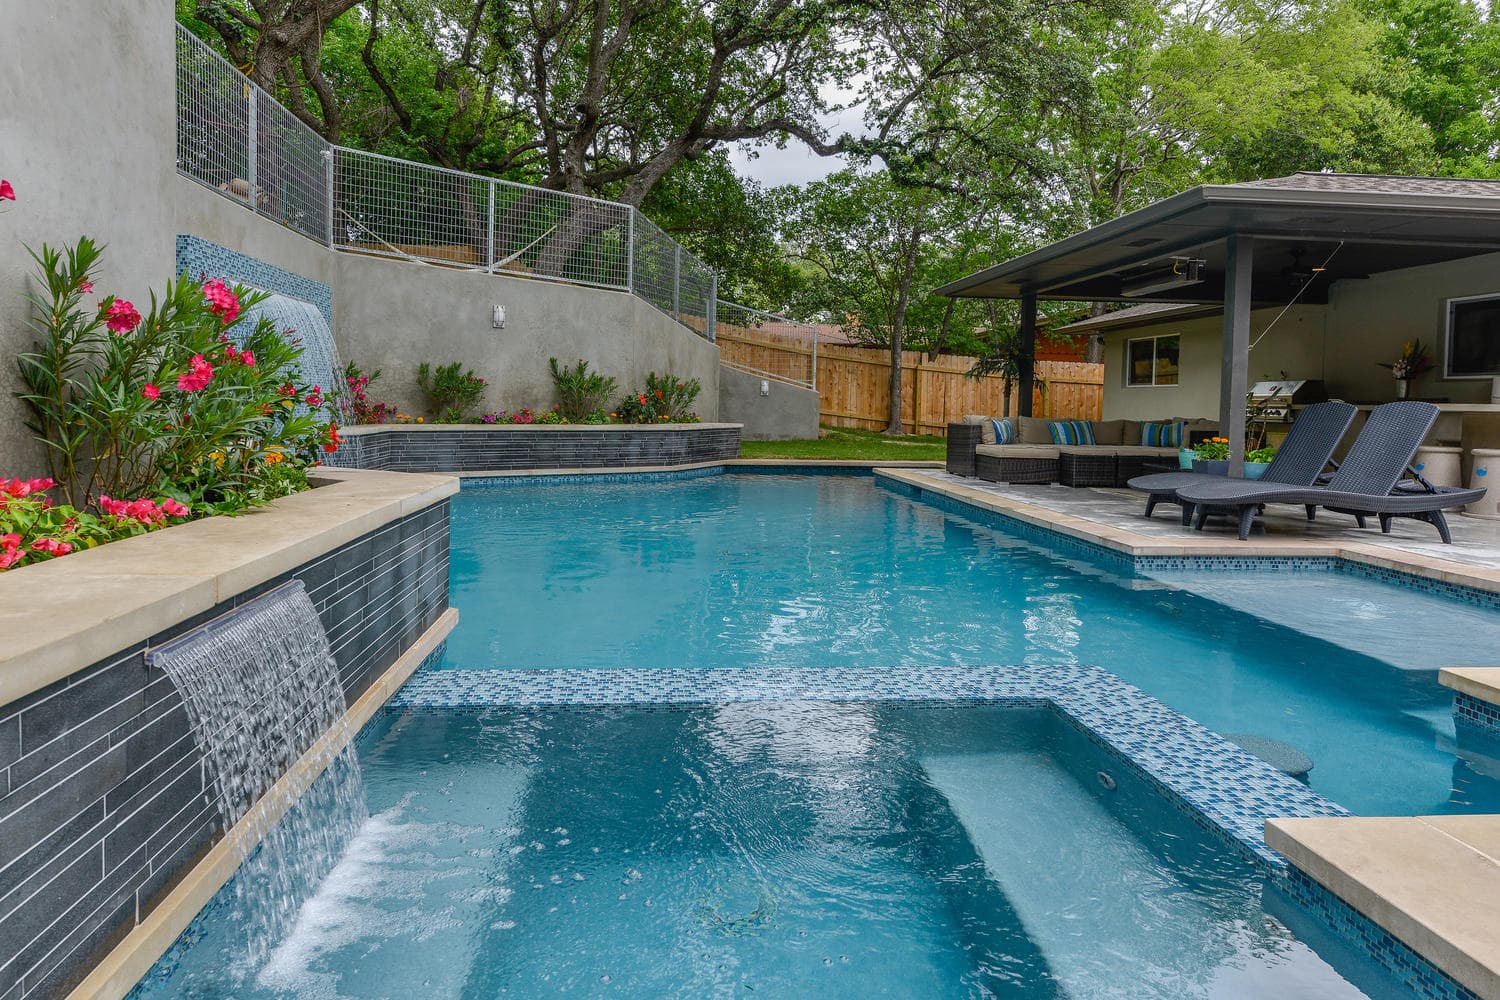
(1275,401)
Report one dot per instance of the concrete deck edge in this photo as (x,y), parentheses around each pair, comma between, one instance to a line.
(1431,882)
(1141,546)
(64,615)
(115,976)
(1480,683)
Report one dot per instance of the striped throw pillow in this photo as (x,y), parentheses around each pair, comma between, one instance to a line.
(1005,431)
(1163,435)
(1071,432)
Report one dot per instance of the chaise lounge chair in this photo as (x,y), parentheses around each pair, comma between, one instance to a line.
(1367,483)
(1300,460)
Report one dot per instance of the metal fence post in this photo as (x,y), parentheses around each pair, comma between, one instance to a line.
(489,255)
(676,281)
(630,251)
(252,153)
(711,320)
(328,175)
(815,359)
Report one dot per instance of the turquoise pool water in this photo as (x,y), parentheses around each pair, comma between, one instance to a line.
(766,570)
(771,850)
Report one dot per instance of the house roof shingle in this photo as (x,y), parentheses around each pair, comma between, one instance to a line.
(1306,180)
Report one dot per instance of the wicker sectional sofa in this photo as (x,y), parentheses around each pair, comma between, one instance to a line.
(1117,456)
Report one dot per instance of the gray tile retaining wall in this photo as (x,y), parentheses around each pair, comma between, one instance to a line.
(102,801)
(497,449)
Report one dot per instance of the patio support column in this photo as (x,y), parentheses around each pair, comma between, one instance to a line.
(1028,349)
(1234,381)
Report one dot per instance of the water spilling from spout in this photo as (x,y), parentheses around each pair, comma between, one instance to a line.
(261,690)
(320,361)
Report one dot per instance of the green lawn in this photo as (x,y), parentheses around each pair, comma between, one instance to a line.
(842,442)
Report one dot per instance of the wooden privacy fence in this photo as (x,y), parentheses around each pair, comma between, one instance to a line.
(854,383)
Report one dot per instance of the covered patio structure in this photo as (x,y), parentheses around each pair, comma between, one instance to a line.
(1240,247)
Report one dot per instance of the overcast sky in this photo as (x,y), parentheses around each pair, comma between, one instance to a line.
(796,164)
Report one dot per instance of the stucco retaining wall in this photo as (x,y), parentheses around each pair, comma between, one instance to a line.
(102,799)
(786,412)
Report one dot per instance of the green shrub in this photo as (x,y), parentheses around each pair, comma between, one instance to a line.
(450,390)
(666,399)
(581,393)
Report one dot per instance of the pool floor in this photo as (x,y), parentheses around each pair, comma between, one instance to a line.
(846,850)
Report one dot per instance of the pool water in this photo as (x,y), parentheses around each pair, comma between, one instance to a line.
(774,850)
(768,570)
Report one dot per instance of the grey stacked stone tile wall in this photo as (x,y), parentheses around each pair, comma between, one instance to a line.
(102,799)
(505,448)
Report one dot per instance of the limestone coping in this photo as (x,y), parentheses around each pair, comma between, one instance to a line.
(62,615)
(360,429)
(1429,881)
(1137,545)
(1481,683)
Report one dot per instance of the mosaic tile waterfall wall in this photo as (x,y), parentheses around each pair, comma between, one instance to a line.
(296,303)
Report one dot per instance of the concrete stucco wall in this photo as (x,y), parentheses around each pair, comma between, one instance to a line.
(394,315)
(788,412)
(1294,345)
(87,137)
(1369,320)
(199,211)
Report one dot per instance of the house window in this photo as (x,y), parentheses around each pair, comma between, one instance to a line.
(1473,337)
(1151,361)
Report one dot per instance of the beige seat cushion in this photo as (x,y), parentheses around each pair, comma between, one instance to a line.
(1110,431)
(1017,450)
(985,424)
(1032,430)
(1088,449)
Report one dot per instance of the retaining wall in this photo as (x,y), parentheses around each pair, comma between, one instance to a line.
(477,448)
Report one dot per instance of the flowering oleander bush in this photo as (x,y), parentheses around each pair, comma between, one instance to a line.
(450,390)
(583,393)
(364,409)
(185,401)
(33,529)
(666,399)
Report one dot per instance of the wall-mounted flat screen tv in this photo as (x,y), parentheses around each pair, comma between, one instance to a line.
(1474,337)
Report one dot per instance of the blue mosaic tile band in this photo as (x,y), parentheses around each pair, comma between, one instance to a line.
(1410,969)
(594,478)
(197,256)
(1228,792)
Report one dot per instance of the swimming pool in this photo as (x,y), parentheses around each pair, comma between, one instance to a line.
(772,849)
(782,570)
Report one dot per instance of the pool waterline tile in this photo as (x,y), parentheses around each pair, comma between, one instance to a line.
(1224,789)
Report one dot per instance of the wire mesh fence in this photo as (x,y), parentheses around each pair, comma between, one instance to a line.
(766,344)
(235,137)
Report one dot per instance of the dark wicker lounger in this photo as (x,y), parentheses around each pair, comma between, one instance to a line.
(1364,485)
(1300,460)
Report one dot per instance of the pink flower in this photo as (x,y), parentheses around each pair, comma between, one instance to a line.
(121,316)
(150,391)
(222,301)
(202,373)
(143,510)
(172,508)
(10,541)
(51,546)
(20,488)
(86,287)
(248,359)
(6,191)
(231,353)
(315,398)
(9,557)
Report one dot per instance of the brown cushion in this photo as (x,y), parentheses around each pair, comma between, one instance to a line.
(1017,450)
(1131,432)
(1032,430)
(1109,431)
(985,424)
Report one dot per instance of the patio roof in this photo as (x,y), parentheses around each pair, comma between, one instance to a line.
(1359,224)
(1263,242)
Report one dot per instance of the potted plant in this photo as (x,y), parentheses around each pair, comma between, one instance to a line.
(1211,456)
(1412,363)
(1257,461)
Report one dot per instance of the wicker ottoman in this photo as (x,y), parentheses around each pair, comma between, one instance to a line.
(1016,463)
(1086,467)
